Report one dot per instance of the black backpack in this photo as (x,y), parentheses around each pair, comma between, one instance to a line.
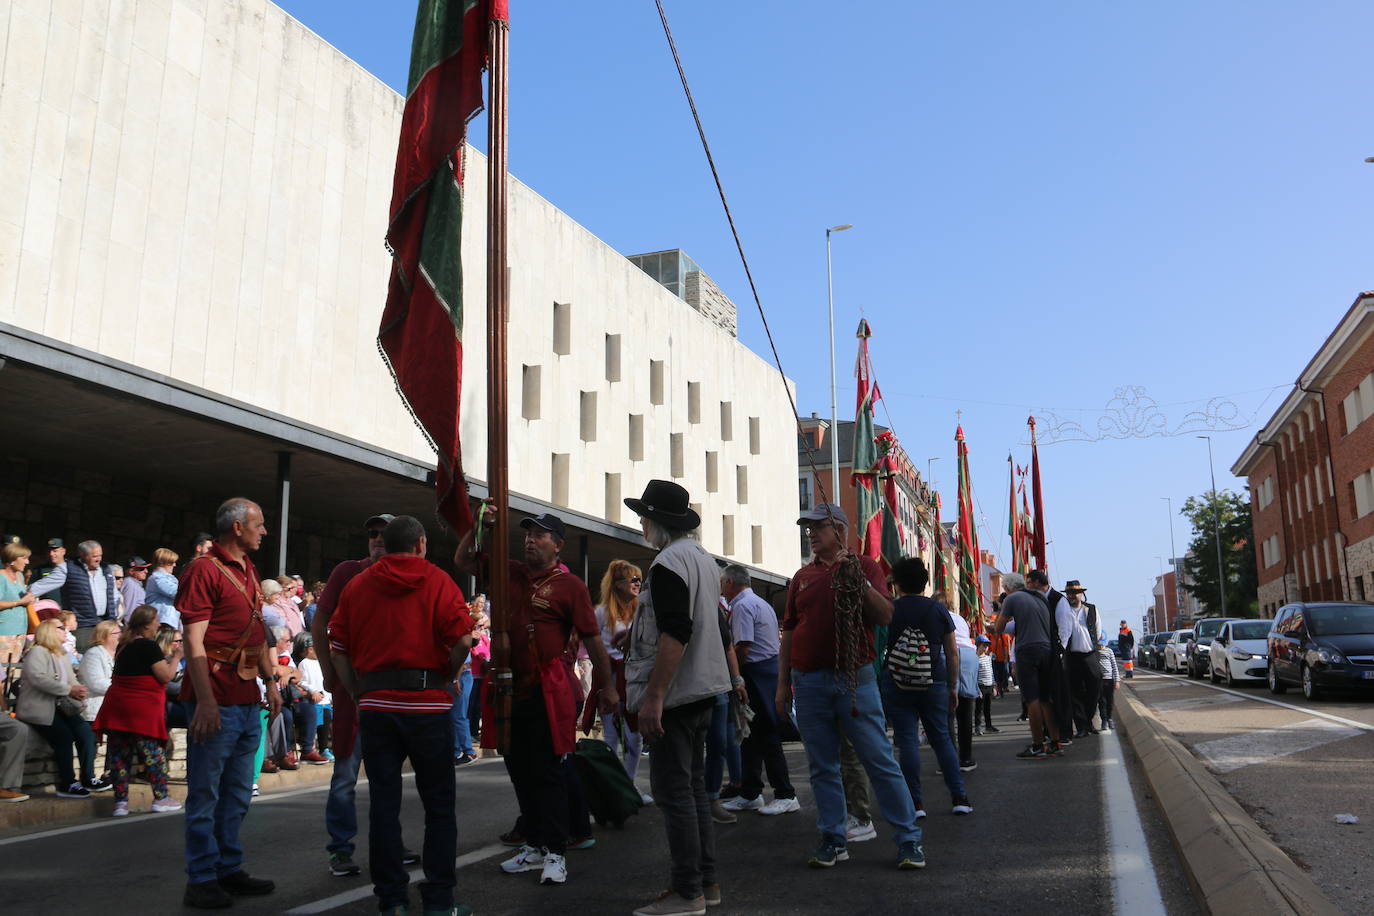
(909,661)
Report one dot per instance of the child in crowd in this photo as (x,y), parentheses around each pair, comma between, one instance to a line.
(982,710)
(1111,682)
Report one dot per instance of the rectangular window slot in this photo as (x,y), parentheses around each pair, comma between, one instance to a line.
(694,402)
(755,438)
(588,415)
(562,328)
(727,421)
(612,357)
(558,490)
(741,484)
(727,535)
(675,457)
(712,472)
(530,381)
(756,543)
(636,437)
(613,502)
(656,382)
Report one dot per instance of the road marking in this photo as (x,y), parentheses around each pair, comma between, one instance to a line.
(1155,683)
(1135,886)
(1305,710)
(363,893)
(1231,753)
(1206,699)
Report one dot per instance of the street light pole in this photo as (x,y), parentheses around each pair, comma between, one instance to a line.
(1173,560)
(1216,522)
(834,415)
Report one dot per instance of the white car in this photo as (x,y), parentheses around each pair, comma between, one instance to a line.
(1239,651)
(1176,652)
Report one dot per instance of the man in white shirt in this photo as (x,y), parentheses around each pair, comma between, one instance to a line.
(1079,631)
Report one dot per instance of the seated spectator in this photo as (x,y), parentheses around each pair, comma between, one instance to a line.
(97,666)
(14,606)
(69,626)
(293,612)
(51,704)
(312,693)
(274,611)
(161,588)
(14,740)
(133,718)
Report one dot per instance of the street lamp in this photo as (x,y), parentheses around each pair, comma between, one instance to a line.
(834,422)
(1173,560)
(930,481)
(1216,522)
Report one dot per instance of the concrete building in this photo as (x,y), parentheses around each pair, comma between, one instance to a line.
(1310,473)
(191,278)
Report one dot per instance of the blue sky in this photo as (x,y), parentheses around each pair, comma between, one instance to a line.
(1050,201)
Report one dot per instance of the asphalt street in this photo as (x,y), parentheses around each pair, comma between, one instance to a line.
(1038,841)
(1293,763)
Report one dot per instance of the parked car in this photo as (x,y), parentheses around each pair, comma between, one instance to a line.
(1145,651)
(1154,645)
(1240,652)
(1176,651)
(1199,658)
(1321,646)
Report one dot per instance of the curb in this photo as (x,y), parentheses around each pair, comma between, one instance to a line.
(1231,861)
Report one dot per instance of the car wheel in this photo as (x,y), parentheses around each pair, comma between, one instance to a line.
(1212,676)
(1230,678)
(1276,686)
(1310,690)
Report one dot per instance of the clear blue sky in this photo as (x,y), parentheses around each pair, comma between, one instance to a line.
(1050,201)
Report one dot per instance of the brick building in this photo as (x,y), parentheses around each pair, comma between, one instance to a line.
(1311,475)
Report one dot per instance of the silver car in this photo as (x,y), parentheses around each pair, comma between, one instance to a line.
(1176,652)
(1240,652)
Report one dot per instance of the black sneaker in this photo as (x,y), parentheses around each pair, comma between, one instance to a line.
(241,884)
(207,895)
(1056,748)
(729,790)
(1063,742)
(341,865)
(910,855)
(991,729)
(962,805)
(463,760)
(75,790)
(513,837)
(827,854)
(409,857)
(1033,752)
(97,785)
(968,767)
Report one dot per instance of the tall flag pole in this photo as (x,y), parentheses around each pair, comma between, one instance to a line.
(1013,516)
(970,584)
(867,461)
(1027,526)
(1038,499)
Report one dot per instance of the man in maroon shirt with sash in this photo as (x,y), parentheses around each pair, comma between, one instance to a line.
(227,649)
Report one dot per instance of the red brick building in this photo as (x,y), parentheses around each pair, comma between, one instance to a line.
(1311,475)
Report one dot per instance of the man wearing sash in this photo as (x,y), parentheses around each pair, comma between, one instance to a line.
(226,651)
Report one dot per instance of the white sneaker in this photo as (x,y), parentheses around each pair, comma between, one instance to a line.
(646,798)
(555,870)
(121,809)
(740,803)
(920,812)
(165,805)
(857,831)
(781,806)
(527,859)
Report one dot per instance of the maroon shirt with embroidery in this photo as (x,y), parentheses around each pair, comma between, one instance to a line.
(810,615)
(205,593)
(556,603)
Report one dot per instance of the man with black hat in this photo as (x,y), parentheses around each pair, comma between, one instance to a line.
(57,558)
(675,667)
(1079,632)
(131,589)
(547,605)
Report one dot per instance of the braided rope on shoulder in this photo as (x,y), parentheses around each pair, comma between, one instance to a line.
(849,584)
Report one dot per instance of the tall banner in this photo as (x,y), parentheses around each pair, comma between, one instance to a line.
(1038,500)
(970,584)
(420,336)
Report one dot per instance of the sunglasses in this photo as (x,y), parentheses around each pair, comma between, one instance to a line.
(817,527)
(375,533)
(633,580)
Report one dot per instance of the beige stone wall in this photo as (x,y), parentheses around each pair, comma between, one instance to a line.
(1359,558)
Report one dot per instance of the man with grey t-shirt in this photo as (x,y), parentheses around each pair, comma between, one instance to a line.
(1034,662)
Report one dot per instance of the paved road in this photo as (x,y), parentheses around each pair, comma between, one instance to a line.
(1040,840)
(1292,763)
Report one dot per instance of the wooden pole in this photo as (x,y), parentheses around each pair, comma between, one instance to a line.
(498,310)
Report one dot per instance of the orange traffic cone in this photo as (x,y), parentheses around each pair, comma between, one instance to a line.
(1130,668)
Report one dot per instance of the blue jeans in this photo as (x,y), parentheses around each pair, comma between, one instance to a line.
(219,787)
(931,707)
(426,739)
(462,732)
(305,715)
(341,808)
(824,710)
(721,750)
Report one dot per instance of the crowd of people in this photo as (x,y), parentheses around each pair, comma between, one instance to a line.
(388,663)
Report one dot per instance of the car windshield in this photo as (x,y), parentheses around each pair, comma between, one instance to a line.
(1341,620)
(1184,635)
(1251,629)
(1162,638)
(1209,628)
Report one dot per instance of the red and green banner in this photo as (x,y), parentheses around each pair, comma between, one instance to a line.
(970,576)
(1013,516)
(867,460)
(421,329)
(1038,499)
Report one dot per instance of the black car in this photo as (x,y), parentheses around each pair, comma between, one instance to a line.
(1200,649)
(1321,646)
(1151,651)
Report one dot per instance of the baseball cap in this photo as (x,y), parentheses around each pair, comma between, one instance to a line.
(548,521)
(385,518)
(13,539)
(137,563)
(54,543)
(824,512)
(982,638)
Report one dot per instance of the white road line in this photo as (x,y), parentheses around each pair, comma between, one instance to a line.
(1235,751)
(1206,699)
(362,893)
(1155,682)
(1135,886)
(1250,695)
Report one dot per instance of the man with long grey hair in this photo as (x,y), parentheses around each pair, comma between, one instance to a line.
(675,667)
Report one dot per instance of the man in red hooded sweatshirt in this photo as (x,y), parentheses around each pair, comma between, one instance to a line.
(399,634)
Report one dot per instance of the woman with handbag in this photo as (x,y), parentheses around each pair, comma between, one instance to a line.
(133,717)
(51,703)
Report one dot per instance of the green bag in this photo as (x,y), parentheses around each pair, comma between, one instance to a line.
(611,794)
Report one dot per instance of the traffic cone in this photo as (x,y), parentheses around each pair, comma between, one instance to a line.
(1130,668)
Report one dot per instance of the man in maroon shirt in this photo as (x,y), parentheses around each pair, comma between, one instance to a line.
(551,603)
(227,649)
(399,634)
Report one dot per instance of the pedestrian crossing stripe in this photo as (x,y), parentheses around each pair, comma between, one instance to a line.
(1225,755)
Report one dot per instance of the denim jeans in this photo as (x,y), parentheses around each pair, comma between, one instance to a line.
(219,787)
(305,716)
(677,775)
(341,807)
(931,707)
(763,748)
(624,740)
(722,752)
(426,739)
(824,711)
(64,734)
(462,732)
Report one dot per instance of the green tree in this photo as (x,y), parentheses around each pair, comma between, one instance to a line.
(1238,554)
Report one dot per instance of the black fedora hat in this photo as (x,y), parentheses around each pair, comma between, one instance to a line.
(666,503)
(1073,586)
